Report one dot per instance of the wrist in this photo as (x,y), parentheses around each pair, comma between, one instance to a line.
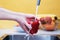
(13,17)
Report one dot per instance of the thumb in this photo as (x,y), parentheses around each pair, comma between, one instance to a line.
(28,25)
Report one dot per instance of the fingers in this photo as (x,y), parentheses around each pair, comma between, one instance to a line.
(24,21)
(28,25)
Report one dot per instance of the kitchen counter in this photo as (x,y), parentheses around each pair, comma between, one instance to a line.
(40,32)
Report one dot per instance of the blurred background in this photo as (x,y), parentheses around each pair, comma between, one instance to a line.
(29,6)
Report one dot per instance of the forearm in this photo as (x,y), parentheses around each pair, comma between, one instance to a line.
(14,13)
(4,16)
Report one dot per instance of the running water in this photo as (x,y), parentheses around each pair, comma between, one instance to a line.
(36,13)
(28,36)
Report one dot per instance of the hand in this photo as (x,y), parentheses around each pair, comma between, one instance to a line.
(34,24)
(24,22)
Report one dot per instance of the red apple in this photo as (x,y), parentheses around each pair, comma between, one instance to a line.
(48,20)
(42,20)
(35,27)
(34,24)
(45,20)
(47,23)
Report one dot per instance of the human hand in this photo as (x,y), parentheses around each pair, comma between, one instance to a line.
(25,22)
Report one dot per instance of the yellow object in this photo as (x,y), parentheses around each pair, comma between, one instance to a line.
(49,26)
(29,6)
(3,36)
